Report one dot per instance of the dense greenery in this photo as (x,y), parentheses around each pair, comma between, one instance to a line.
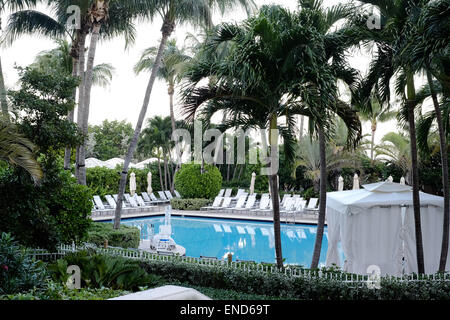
(189,204)
(18,271)
(125,237)
(303,288)
(44,215)
(109,140)
(192,181)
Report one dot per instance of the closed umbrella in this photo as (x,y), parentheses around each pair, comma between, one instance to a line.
(132,184)
(390,179)
(149,183)
(355,182)
(402,181)
(341,184)
(252,183)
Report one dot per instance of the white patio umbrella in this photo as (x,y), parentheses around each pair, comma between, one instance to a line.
(149,182)
(341,184)
(403,181)
(355,182)
(390,179)
(132,184)
(252,183)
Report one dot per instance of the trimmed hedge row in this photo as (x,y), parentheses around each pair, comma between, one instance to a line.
(125,237)
(303,288)
(189,204)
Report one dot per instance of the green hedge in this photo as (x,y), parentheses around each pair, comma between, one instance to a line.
(125,237)
(192,184)
(304,288)
(189,204)
(103,181)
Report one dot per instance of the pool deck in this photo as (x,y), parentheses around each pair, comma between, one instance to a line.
(298,219)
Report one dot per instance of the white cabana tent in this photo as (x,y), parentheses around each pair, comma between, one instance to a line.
(375,226)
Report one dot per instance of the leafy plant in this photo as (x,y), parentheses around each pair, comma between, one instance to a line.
(189,204)
(18,270)
(99,271)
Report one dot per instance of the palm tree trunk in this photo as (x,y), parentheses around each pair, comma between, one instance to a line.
(372,145)
(273,179)
(322,201)
(81,74)
(302,124)
(166,173)
(160,174)
(3,100)
(87,100)
(167,30)
(444,160)
(172,114)
(70,116)
(411,103)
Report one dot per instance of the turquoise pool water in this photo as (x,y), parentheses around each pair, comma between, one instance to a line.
(246,240)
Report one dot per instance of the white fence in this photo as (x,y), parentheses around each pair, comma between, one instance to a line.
(244,266)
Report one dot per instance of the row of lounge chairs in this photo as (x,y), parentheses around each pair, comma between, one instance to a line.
(247,204)
(136,203)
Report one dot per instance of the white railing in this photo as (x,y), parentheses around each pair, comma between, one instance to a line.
(289,270)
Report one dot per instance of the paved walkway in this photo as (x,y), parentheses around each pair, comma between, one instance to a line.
(298,218)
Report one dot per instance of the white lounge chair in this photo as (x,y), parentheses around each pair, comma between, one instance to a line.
(99,203)
(169,195)
(239,203)
(228,193)
(156,200)
(264,204)
(215,204)
(312,205)
(248,206)
(163,196)
(225,204)
(221,192)
(131,200)
(177,194)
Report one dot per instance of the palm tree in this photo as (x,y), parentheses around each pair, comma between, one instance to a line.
(60,60)
(172,12)
(171,67)
(390,43)
(268,55)
(336,42)
(94,14)
(426,50)
(156,141)
(375,112)
(18,150)
(395,148)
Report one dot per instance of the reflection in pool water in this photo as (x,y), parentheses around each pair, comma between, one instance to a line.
(246,240)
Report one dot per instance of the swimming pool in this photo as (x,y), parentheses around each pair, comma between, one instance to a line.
(246,240)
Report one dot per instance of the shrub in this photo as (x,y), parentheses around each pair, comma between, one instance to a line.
(18,271)
(305,288)
(189,204)
(44,215)
(56,291)
(125,236)
(98,270)
(192,184)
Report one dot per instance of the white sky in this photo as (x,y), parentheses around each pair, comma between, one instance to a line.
(123,99)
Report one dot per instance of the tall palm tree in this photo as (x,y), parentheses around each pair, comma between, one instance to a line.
(268,55)
(171,67)
(18,150)
(389,42)
(94,14)
(172,12)
(426,50)
(336,42)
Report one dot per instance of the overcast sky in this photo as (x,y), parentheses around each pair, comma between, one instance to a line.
(123,99)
